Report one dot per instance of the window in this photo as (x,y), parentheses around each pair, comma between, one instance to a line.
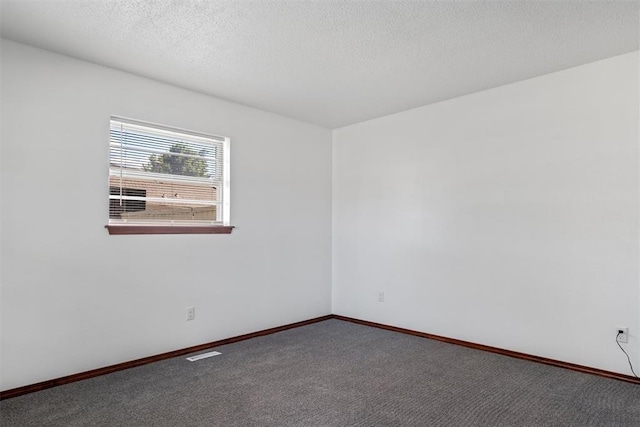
(165,180)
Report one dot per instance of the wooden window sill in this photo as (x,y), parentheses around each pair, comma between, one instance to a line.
(169,229)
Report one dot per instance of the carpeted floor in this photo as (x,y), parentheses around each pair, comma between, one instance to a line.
(335,373)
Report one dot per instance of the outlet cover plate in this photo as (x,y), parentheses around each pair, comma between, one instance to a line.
(622,336)
(191,313)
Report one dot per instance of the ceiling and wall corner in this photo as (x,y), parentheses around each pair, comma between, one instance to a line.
(331,63)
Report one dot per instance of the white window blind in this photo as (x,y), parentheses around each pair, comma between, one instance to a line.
(165,176)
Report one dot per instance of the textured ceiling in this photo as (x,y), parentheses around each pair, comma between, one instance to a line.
(331,63)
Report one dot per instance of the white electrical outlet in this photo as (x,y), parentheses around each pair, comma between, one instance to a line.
(380,296)
(191,313)
(622,334)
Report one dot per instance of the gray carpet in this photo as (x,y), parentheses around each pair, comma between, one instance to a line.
(335,373)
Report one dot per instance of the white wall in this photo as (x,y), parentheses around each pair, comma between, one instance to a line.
(75,298)
(508,217)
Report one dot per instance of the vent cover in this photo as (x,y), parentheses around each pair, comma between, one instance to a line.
(203,356)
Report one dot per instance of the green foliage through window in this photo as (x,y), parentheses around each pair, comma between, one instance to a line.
(173,164)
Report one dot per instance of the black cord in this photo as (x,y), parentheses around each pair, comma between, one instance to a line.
(625,353)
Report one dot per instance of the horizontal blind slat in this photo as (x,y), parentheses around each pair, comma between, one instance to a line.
(167,200)
(139,126)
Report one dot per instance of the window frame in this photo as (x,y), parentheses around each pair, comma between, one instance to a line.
(128,227)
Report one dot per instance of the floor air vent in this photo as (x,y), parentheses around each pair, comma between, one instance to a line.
(203,356)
